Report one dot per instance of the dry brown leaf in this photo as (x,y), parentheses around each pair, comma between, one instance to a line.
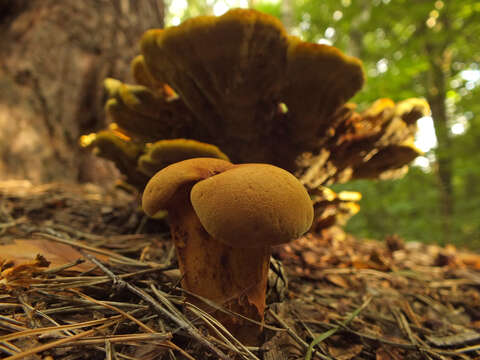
(470,260)
(388,353)
(21,274)
(310,257)
(338,280)
(57,254)
(360,264)
(345,352)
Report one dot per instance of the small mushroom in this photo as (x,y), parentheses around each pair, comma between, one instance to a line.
(165,152)
(141,74)
(115,146)
(224,219)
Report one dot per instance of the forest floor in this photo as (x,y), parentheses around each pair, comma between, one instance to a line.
(84,275)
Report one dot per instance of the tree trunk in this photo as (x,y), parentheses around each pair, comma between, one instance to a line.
(436,96)
(54,56)
(287,14)
(356,34)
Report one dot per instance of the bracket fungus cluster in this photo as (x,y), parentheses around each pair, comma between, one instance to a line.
(224,218)
(240,83)
(332,208)
(376,143)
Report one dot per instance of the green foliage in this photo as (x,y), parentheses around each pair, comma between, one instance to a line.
(398,40)
(407,207)
(270,8)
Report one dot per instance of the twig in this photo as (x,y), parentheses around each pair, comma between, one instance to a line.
(6,349)
(330,332)
(114,308)
(191,330)
(228,311)
(45,316)
(64,267)
(183,324)
(136,321)
(116,280)
(12,349)
(111,254)
(468,349)
(297,338)
(123,338)
(220,330)
(44,330)
(54,344)
(79,281)
(119,355)
(10,320)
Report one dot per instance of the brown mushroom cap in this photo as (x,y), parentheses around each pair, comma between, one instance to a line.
(253,205)
(163,185)
(165,152)
(141,74)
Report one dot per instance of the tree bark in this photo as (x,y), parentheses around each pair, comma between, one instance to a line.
(436,96)
(356,47)
(287,14)
(54,56)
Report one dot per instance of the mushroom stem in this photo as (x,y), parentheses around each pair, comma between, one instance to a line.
(233,278)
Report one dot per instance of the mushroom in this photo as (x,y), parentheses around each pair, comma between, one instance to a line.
(288,109)
(233,71)
(165,152)
(117,147)
(138,162)
(240,83)
(145,114)
(224,219)
(376,143)
(332,208)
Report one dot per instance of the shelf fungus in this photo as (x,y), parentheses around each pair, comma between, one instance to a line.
(247,91)
(139,161)
(234,71)
(165,152)
(332,208)
(117,147)
(376,143)
(241,83)
(224,219)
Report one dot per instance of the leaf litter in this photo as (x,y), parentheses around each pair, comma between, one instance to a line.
(84,275)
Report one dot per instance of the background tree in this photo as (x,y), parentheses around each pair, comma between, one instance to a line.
(54,56)
(427,49)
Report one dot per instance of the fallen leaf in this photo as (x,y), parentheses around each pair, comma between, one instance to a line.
(344,352)
(470,260)
(57,254)
(388,353)
(21,274)
(310,257)
(338,280)
(455,339)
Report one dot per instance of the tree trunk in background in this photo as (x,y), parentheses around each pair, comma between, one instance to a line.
(356,47)
(54,56)
(436,96)
(288,14)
